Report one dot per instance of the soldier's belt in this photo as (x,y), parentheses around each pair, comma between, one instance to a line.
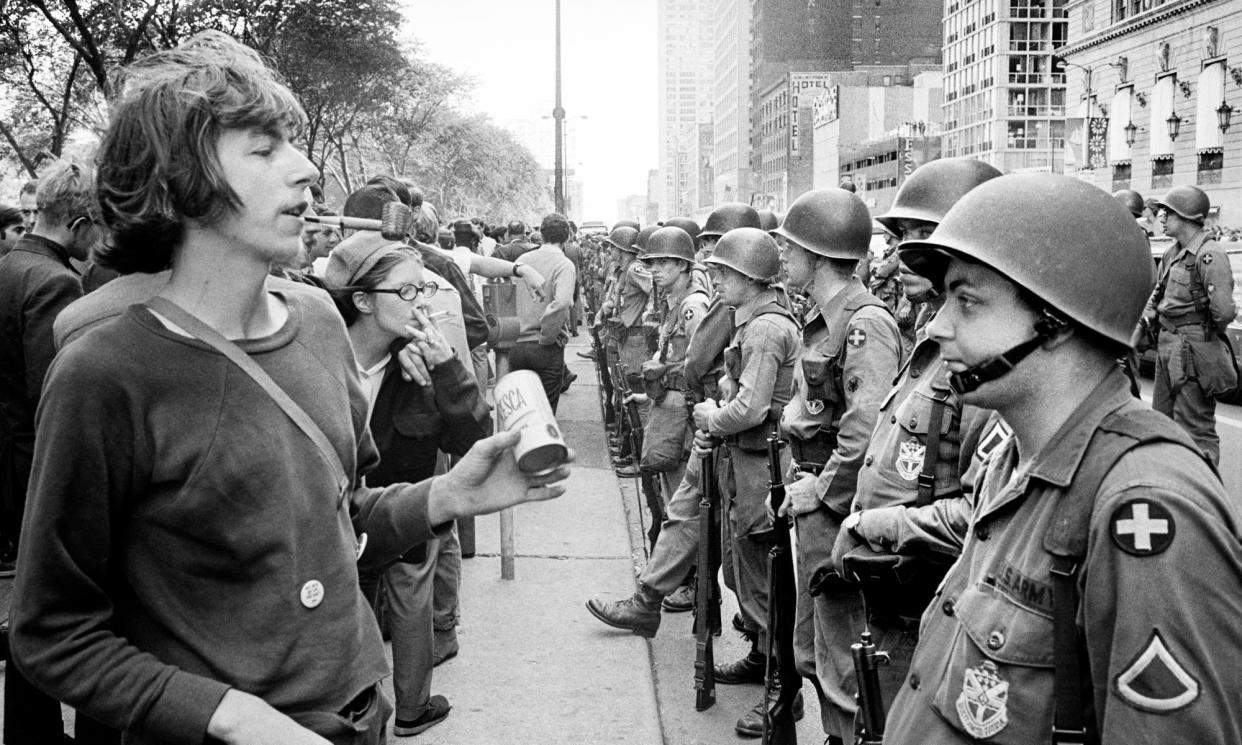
(814,453)
(1181,323)
(814,469)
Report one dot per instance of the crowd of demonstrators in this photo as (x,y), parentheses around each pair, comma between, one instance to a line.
(970,479)
(204,474)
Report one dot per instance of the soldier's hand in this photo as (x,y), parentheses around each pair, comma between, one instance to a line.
(846,542)
(801,496)
(638,398)
(702,411)
(703,444)
(767,504)
(728,388)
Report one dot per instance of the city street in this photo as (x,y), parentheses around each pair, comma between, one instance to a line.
(536,669)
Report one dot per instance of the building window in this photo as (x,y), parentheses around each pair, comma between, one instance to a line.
(1162,172)
(1121,176)
(1210,164)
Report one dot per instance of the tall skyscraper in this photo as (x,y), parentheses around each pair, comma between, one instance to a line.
(810,36)
(1004,102)
(685,39)
(731,97)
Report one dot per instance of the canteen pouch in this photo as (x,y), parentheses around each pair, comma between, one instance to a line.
(817,373)
(1213,365)
(653,380)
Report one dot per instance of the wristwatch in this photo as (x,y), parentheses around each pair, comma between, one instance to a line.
(850,525)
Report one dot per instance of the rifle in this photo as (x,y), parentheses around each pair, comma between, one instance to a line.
(645,479)
(707,592)
(870,705)
(605,380)
(779,725)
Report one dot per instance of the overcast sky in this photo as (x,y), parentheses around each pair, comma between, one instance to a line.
(608,68)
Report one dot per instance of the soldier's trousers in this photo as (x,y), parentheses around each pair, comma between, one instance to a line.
(1194,410)
(677,547)
(747,534)
(827,624)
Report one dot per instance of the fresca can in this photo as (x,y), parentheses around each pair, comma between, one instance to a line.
(522,405)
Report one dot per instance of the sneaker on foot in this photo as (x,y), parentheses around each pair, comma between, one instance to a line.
(438,709)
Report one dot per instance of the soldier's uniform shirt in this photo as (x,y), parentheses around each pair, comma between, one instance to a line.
(870,352)
(686,311)
(767,345)
(1177,305)
(897,451)
(940,527)
(1160,595)
(871,356)
(630,294)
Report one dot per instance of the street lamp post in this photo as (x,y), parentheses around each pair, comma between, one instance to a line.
(558,113)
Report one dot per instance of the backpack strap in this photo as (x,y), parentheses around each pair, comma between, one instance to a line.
(1066,539)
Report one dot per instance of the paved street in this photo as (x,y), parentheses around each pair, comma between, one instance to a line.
(535,668)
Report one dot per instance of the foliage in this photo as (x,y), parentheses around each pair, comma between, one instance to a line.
(373,104)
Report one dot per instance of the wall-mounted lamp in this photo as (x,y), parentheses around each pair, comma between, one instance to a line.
(1141,98)
(1103,110)
(1223,113)
(1175,125)
(1184,87)
(1236,73)
(1131,133)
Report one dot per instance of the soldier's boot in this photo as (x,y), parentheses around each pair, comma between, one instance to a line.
(749,669)
(751,723)
(681,600)
(639,613)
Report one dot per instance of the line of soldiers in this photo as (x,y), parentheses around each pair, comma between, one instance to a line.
(990,507)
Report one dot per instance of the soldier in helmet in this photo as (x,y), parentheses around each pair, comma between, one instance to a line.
(698,273)
(919,452)
(1098,588)
(1134,202)
(621,313)
(920,204)
(849,354)
(1192,305)
(759,364)
(703,358)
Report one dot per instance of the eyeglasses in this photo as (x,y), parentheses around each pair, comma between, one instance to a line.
(410,292)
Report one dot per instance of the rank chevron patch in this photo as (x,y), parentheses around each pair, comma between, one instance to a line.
(1155,681)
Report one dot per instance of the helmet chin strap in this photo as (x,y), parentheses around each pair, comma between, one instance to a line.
(1047,327)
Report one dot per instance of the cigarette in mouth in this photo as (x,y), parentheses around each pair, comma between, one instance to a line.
(437,314)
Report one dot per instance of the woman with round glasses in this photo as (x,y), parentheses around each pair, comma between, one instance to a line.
(378,287)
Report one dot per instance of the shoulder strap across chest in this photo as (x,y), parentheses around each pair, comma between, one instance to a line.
(1066,540)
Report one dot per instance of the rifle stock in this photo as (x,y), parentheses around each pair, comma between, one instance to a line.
(870,704)
(605,380)
(707,592)
(779,723)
